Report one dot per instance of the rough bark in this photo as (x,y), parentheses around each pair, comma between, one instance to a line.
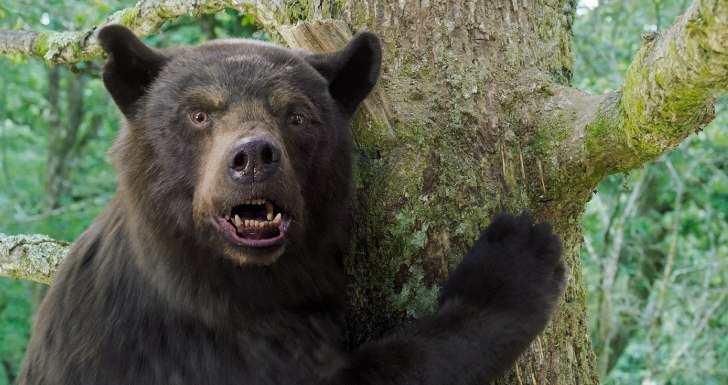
(475,115)
(31,257)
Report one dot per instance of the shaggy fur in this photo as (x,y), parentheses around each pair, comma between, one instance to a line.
(160,290)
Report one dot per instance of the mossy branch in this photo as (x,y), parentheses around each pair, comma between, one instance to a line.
(31,257)
(145,18)
(668,92)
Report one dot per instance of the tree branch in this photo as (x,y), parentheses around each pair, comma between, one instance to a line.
(145,18)
(668,92)
(31,257)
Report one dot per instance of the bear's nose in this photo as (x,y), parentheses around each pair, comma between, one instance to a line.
(254,159)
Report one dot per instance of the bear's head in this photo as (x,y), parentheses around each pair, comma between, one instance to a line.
(238,147)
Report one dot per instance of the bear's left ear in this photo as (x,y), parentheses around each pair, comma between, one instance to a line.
(351,71)
(131,67)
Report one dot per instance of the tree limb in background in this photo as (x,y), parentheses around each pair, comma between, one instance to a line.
(31,257)
(145,18)
(668,92)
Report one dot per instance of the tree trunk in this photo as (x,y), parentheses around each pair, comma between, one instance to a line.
(455,144)
(474,115)
(462,137)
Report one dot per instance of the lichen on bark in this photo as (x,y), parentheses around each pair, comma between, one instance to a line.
(31,257)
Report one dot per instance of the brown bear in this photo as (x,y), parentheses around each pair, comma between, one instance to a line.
(219,259)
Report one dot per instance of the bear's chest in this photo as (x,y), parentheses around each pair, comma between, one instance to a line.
(146,342)
(279,349)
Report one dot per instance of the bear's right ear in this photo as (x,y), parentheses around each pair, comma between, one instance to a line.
(131,67)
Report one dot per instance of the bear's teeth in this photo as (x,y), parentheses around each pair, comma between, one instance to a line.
(269,210)
(276,221)
(257,201)
(254,223)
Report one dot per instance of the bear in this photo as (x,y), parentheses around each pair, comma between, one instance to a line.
(219,260)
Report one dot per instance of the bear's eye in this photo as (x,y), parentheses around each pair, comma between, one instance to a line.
(295,119)
(199,117)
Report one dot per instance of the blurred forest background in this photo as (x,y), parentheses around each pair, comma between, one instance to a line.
(656,241)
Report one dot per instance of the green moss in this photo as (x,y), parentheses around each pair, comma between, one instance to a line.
(129,15)
(338,9)
(594,133)
(429,185)
(300,10)
(42,43)
(550,133)
(372,136)
(658,104)
(416,299)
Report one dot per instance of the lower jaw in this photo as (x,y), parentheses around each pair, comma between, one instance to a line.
(230,232)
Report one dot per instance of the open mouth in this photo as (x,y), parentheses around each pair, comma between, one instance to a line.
(255,223)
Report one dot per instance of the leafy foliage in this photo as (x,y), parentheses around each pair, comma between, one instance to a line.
(656,252)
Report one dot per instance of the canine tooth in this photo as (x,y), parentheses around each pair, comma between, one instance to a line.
(238,222)
(269,210)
